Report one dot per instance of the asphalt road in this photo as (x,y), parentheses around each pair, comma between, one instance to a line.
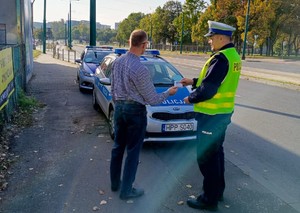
(62,161)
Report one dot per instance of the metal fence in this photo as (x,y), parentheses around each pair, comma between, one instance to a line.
(64,54)
(184,48)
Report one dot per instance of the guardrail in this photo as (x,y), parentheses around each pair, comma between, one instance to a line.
(64,54)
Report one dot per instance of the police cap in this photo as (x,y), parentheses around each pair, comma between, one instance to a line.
(219,28)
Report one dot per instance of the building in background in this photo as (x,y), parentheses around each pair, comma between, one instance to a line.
(117,25)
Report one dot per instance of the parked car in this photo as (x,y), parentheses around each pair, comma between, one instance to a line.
(90,59)
(170,121)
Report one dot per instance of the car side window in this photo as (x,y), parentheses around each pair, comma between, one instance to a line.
(106,66)
(108,70)
(82,55)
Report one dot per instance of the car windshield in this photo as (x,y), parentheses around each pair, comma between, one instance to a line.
(95,57)
(163,73)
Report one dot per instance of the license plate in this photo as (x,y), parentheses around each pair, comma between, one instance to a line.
(177,127)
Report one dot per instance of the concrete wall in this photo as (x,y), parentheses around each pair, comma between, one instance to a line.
(8,16)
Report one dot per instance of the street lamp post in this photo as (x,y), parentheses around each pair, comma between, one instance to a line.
(70,25)
(93,22)
(182,26)
(66,31)
(246,30)
(44,28)
(151,33)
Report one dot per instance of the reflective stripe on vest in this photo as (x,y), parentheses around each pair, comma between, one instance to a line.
(223,100)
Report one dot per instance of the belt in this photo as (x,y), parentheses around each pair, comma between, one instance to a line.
(128,102)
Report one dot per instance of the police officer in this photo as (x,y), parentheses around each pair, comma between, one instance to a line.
(213,100)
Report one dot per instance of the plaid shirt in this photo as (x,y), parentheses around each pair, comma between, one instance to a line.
(131,80)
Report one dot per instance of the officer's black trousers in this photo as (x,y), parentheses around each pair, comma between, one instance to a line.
(210,153)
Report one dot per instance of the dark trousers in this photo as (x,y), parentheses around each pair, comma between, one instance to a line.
(130,126)
(210,153)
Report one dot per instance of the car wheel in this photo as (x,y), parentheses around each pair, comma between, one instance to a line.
(95,102)
(111,124)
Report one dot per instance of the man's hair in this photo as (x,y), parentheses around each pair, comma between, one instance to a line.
(137,37)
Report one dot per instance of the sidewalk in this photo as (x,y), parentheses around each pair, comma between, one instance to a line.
(288,80)
(64,157)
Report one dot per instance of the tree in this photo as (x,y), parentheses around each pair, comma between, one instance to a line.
(38,34)
(58,29)
(201,28)
(192,10)
(171,10)
(275,24)
(106,35)
(127,26)
(146,24)
(81,31)
(160,23)
(260,15)
(290,29)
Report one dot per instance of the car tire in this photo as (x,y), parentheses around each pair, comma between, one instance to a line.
(111,124)
(95,102)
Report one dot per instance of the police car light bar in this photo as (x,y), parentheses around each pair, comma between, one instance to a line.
(104,48)
(153,52)
(120,51)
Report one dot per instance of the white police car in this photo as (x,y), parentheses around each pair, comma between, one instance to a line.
(90,59)
(172,120)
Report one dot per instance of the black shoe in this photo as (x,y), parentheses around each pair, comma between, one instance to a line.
(200,204)
(115,187)
(133,194)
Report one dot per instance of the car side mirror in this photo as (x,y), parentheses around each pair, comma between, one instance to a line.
(105,81)
(78,61)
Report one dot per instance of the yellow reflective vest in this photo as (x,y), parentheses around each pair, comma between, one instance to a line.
(223,100)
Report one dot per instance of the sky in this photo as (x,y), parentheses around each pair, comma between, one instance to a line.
(107,11)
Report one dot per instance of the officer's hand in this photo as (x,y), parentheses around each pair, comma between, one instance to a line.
(172,90)
(186,81)
(186,100)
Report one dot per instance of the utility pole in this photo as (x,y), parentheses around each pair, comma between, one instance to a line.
(93,22)
(70,27)
(151,33)
(182,26)
(246,30)
(66,34)
(44,28)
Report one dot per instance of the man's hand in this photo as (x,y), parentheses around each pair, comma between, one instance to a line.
(186,100)
(172,90)
(186,81)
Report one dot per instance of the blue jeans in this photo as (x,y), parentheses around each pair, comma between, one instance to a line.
(130,123)
(210,154)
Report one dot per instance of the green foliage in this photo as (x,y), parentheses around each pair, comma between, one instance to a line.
(106,36)
(127,26)
(201,27)
(27,103)
(81,32)
(38,34)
